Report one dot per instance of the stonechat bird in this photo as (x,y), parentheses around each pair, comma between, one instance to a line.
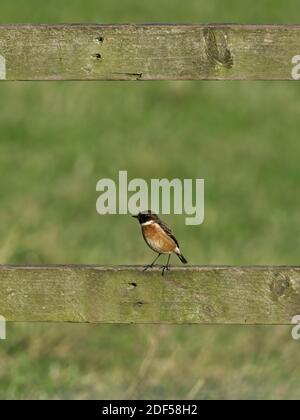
(159,238)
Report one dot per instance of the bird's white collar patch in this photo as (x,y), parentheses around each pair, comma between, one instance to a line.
(150,222)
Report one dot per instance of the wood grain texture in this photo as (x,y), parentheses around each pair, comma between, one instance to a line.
(204,295)
(149,52)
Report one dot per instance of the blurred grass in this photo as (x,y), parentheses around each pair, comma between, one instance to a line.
(58,139)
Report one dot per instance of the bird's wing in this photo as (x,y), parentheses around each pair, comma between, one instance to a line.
(168,231)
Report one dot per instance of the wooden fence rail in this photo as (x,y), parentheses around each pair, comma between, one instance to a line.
(204,295)
(149,52)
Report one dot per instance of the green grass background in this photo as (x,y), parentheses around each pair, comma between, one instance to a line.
(58,139)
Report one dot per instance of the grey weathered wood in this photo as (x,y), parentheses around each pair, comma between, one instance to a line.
(149,52)
(238,295)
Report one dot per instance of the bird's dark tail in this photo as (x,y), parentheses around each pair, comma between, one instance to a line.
(182,259)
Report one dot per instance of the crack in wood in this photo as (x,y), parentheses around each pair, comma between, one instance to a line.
(135,76)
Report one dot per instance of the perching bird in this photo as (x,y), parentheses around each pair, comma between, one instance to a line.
(159,238)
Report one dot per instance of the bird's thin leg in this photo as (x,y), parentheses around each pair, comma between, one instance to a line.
(152,264)
(166,267)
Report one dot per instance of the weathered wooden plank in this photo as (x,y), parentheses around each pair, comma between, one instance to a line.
(237,295)
(149,52)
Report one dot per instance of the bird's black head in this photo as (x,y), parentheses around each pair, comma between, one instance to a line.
(146,216)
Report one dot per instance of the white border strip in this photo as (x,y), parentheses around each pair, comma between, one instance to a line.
(2,68)
(2,328)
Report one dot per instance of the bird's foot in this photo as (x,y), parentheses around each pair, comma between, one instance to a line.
(165,268)
(148,267)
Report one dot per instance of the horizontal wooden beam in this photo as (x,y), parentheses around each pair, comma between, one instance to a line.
(149,52)
(204,295)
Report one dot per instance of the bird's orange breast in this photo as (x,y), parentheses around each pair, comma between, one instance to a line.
(158,239)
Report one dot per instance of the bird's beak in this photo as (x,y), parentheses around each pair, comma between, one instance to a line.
(135,217)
